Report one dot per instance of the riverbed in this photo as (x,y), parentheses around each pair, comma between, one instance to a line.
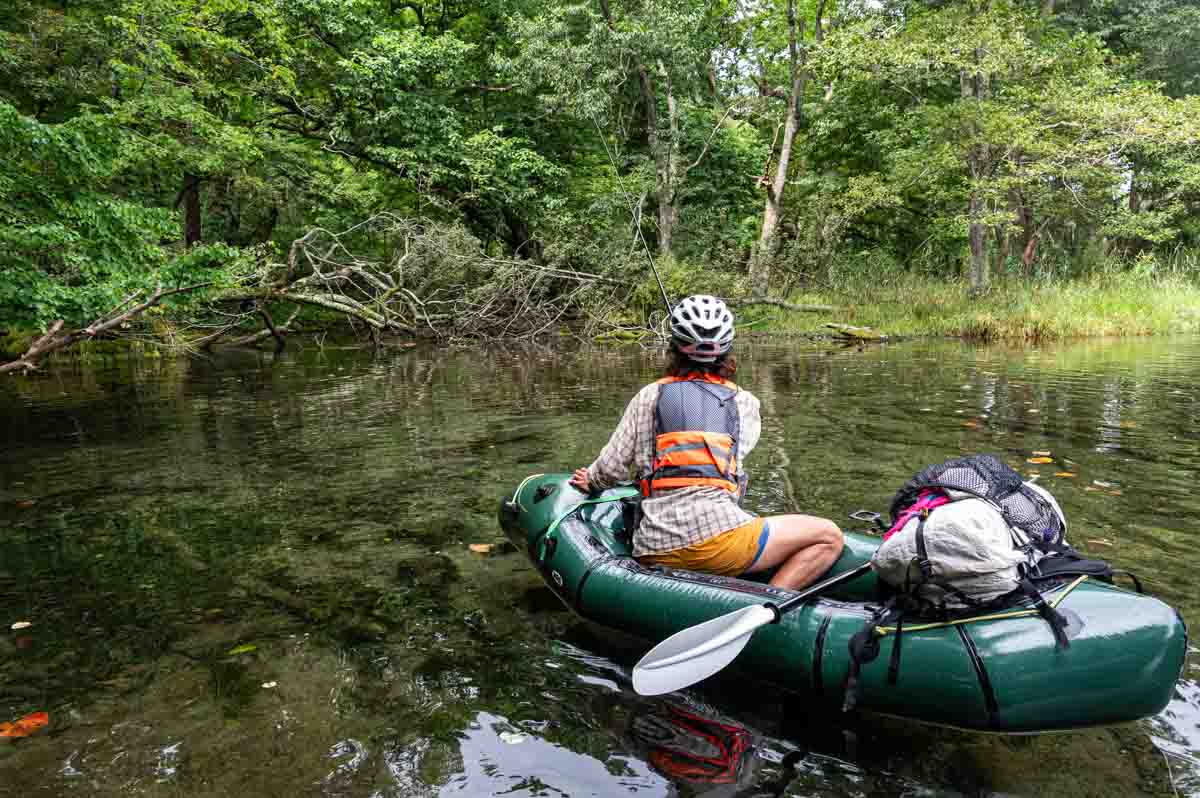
(251,574)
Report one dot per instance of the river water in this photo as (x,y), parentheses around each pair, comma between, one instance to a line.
(251,575)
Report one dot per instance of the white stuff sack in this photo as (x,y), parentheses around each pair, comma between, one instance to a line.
(969,546)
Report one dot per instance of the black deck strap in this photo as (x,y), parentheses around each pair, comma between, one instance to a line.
(631,518)
(818,677)
(922,552)
(1058,624)
(864,648)
(894,663)
(985,683)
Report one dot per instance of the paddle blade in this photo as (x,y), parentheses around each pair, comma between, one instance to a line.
(699,651)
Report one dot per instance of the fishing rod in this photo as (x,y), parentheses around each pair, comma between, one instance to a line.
(632,212)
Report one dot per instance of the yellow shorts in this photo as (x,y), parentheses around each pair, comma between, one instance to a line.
(728,554)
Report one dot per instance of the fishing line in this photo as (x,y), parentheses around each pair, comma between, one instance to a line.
(632,210)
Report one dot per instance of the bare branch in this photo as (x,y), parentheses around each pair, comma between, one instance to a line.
(52,341)
(711,136)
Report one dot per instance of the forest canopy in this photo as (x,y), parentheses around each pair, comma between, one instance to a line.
(527,147)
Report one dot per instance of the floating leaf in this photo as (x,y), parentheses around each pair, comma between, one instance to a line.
(25,504)
(25,726)
(1040,460)
(1066,474)
(19,625)
(481,548)
(1114,493)
(973,424)
(244,648)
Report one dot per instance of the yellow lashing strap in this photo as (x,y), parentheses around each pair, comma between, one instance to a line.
(884,631)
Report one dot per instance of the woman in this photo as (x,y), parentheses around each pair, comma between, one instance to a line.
(687,435)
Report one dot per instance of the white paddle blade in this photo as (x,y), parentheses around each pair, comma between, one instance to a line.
(699,651)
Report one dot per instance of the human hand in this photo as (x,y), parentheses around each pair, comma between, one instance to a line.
(580,480)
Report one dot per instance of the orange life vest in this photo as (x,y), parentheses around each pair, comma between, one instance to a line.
(696,429)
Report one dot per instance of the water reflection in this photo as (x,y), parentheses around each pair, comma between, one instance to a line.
(182,534)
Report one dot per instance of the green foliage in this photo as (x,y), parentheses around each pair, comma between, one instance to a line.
(185,141)
(70,247)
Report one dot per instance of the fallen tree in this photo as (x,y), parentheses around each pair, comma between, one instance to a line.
(387,276)
(55,339)
(391,275)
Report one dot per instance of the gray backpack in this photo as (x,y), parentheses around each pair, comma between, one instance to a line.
(957,556)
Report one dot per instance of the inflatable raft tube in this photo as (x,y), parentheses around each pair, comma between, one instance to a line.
(999,672)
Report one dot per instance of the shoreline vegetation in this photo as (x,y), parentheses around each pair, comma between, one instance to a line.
(905,308)
(194,175)
(1010,311)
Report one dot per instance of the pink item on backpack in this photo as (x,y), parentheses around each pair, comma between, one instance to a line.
(926,500)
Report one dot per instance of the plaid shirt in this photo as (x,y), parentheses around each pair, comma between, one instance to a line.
(681,517)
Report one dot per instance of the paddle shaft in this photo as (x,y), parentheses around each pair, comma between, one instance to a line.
(699,651)
(808,592)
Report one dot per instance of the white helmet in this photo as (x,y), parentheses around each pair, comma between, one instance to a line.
(702,327)
(1045,494)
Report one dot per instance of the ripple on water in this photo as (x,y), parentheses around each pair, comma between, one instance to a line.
(314,512)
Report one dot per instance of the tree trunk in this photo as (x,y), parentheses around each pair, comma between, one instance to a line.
(1028,255)
(978,234)
(668,212)
(520,237)
(974,88)
(1022,214)
(1003,244)
(760,259)
(663,152)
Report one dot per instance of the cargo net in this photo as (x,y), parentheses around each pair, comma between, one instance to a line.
(986,477)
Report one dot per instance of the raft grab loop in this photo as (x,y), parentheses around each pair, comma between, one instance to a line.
(549,538)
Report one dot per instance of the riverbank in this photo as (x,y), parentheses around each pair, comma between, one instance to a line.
(898,307)
(1011,311)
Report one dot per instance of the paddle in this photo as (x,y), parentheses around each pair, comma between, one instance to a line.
(699,651)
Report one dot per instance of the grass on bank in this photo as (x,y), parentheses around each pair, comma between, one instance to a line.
(1119,305)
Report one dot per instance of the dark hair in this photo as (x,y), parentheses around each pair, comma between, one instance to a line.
(680,365)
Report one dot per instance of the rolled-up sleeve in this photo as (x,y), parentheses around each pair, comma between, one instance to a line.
(616,459)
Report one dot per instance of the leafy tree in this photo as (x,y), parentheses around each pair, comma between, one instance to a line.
(1020,128)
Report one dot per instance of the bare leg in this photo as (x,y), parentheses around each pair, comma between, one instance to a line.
(805,545)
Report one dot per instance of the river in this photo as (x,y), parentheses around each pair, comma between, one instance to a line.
(252,575)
